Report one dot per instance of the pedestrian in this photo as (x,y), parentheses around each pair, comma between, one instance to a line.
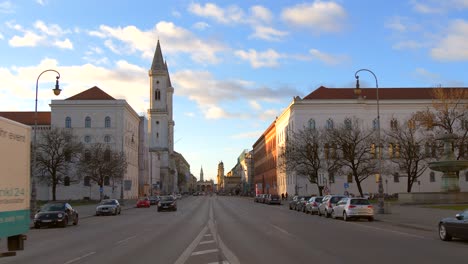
(282,196)
(286,195)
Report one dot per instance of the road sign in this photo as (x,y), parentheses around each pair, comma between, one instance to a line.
(346,185)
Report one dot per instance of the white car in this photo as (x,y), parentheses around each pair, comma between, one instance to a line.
(348,208)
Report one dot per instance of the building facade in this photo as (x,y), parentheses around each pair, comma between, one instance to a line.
(265,162)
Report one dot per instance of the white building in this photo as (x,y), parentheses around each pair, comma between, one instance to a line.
(332,106)
(96,117)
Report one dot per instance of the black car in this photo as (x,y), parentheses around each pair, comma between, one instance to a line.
(167,203)
(154,200)
(454,227)
(55,214)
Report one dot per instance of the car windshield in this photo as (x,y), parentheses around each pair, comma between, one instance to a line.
(336,199)
(108,202)
(318,199)
(359,202)
(167,198)
(52,207)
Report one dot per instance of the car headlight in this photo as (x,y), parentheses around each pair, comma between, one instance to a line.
(60,215)
(36,216)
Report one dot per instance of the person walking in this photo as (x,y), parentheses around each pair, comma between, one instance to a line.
(282,196)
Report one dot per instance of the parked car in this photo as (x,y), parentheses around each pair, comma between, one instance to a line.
(55,214)
(326,207)
(167,203)
(293,202)
(108,206)
(313,204)
(301,204)
(257,198)
(154,200)
(348,208)
(143,202)
(263,198)
(454,227)
(273,199)
(179,196)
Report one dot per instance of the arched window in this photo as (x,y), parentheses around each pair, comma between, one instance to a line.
(157,95)
(68,122)
(329,124)
(66,181)
(432,176)
(106,181)
(107,122)
(87,181)
(312,124)
(88,122)
(348,124)
(107,138)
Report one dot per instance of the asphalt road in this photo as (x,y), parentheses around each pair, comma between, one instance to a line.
(233,230)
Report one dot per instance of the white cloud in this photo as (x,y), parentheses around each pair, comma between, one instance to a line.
(190,114)
(47,35)
(452,47)
(176,14)
(438,7)
(1,36)
(7,7)
(65,44)
(425,74)
(261,13)
(396,23)
(41,2)
(133,40)
(231,14)
(318,16)
(268,58)
(329,58)
(211,95)
(201,25)
(255,105)
(268,33)
(251,134)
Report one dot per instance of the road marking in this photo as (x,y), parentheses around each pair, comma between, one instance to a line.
(206,242)
(186,254)
(281,230)
(207,235)
(219,262)
(208,251)
(125,240)
(79,258)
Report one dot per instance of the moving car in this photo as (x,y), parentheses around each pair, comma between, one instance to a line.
(55,214)
(154,200)
(313,204)
(143,202)
(167,203)
(348,208)
(273,199)
(454,227)
(326,207)
(108,206)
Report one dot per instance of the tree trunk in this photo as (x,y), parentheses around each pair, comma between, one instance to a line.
(54,188)
(358,184)
(320,189)
(410,184)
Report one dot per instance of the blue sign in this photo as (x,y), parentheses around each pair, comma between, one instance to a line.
(346,185)
(101,189)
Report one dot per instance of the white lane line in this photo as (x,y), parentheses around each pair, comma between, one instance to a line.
(206,242)
(281,230)
(208,251)
(186,254)
(207,235)
(125,240)
(79,258)
(220,262)
(230,256)
(391,231)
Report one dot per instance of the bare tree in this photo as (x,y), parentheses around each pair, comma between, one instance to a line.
(448,114)
(56,151)
(301,155)
(99,161)
(353,144)
(405,142)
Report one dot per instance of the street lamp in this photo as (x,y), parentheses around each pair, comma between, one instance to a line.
(357,91)
(33,176)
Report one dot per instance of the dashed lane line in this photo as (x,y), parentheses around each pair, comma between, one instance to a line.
(202,252)
(206,242)
(125,240)
(80,258)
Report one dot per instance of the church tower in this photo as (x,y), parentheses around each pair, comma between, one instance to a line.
(161,124)
(201,175)
(220,175)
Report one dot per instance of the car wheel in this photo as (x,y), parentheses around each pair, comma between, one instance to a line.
(37,226)
(65,222)
(345,216)
(319,213)
(120,211)
(371,219)
(443,234)
(327,214)
(290,208)
(76,220)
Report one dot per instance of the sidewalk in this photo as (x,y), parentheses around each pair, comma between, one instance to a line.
(415,216)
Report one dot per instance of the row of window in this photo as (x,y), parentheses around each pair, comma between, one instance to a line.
(68,122)
(375,124)
(86,181)
(107,139)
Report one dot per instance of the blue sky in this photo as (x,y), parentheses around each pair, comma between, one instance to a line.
(234,67)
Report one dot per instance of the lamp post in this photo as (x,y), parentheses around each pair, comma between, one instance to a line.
(123,178)
(380,209)
(33,173)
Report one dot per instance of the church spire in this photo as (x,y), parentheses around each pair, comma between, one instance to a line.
(168,76)
(201,174)
(158,62)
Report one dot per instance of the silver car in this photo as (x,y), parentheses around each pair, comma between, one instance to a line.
(108,206)
(348,208)
(313,204)
(326,207)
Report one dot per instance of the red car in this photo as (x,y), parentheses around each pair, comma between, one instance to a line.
(143,202)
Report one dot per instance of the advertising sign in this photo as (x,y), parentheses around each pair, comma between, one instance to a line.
(15,140)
